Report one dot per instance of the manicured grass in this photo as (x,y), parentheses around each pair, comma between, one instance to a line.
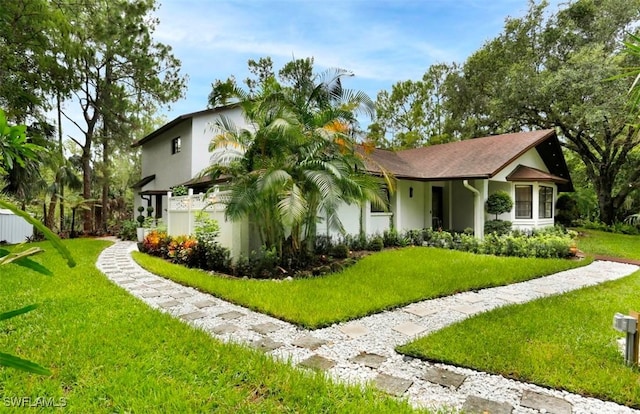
(109,352)
(609,244)
(380,281)
(564,342)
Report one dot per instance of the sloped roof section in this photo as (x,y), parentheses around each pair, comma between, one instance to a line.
(524,173)
(377,160)
(146,180)
(179,120)
(473,158)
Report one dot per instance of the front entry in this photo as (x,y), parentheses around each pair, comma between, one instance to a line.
(437,208)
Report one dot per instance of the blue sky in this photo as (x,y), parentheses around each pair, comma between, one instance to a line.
(381,41)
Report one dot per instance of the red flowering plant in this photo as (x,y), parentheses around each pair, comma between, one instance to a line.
(181,248)
(156,243)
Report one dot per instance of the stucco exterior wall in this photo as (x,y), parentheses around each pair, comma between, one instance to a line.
(411,204)
(203,131)
(169,169)
(530,158)
(463,207)
(350,218)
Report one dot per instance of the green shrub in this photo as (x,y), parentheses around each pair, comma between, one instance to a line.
(620,228)
(218,258)
(391,238)
(500,227)
(323,245)
(440,238)
(624,228)
(262,264)
(376,244)
(499,202)
(179,190)
(340,251)
(469,243)
(128,230)
(356,243)
(415,237)
(566,210)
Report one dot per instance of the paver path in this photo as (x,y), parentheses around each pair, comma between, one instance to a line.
(363,350)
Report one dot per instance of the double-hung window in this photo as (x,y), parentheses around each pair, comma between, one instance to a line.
(545,202)
(524,202)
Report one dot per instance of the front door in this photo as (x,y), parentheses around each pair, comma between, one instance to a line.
(436,207)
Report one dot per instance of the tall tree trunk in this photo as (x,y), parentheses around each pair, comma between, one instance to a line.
(605,202)
(86,183)
(61,147)
(105,185)
(51,214)
(107,130)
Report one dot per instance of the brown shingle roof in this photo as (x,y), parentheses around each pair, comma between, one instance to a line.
(473,158)
(524,173)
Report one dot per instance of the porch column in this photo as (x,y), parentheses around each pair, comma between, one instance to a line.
(396,209)
(483,188)
(478,207)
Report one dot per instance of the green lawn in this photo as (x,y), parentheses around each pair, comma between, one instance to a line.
(109,352)
(609,244)
(564,342)
(380,281)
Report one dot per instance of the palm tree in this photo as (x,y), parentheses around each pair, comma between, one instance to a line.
(297,159)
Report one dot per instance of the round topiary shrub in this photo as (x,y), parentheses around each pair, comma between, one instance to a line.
(500,227)
(499,202)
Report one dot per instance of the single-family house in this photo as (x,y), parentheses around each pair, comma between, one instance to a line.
(440,186)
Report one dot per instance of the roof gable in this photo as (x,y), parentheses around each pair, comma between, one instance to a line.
(524,173)
(179,120)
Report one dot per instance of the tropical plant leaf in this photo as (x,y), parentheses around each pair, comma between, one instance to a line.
(16,312)
(35,266)
(12,361)
(292,206)
(13,256)
(55,240)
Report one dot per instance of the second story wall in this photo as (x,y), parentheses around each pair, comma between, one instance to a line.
(203,132)
(159,158)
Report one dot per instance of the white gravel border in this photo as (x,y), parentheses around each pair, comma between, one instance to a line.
(379,336)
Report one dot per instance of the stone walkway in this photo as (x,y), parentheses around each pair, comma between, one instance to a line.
(363,350)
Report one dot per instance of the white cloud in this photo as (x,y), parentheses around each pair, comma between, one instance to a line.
(382,42)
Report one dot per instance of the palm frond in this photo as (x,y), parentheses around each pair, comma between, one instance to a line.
(292,206)
(273,181)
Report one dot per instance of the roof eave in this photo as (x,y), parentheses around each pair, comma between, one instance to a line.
(179,120)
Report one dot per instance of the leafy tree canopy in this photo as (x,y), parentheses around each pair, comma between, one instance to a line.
(555,71)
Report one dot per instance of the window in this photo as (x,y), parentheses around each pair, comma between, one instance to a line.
(384,193)
(524,201)
(545,209)
(176,145)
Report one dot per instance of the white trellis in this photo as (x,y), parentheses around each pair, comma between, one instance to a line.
(181,218)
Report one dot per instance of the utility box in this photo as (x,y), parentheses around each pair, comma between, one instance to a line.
(624,323)
(628,325)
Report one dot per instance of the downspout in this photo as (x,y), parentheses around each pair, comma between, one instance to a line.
(479,233)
